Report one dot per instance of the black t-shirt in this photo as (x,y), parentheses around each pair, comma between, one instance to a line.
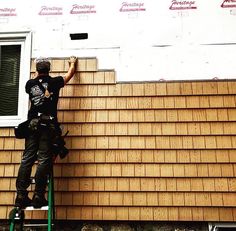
(43,94)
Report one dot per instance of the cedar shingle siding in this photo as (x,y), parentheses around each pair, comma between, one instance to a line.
(138,151)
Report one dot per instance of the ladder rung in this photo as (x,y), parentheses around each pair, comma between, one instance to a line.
(17,218)
(32,208)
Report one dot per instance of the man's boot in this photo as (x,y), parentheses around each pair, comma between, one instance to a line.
(39,201)
(22,201)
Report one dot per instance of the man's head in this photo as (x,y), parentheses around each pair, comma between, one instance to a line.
(42,65)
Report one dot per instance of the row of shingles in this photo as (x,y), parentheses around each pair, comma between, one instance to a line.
(151,184)
(142,184)
(152,156)
(136,156)
(149,139)
(146,102)
(149,199)
(151,129)
(159,213)
(146,88)
(147,213)
(92,168)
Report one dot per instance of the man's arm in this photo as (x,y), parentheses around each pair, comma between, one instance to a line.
(70,73)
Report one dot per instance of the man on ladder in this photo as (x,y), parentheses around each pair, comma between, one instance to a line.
(42,128)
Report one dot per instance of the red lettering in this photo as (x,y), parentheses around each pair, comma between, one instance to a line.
(228,4)
(82,9)
(8,12)
(182,5)
(50,10)
(134,6)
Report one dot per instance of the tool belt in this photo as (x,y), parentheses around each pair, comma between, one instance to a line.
(40,121)
(24,129)
(34,125)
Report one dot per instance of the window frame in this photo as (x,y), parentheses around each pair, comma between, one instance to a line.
(24,39)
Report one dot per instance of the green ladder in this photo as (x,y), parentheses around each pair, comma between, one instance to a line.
(17,215)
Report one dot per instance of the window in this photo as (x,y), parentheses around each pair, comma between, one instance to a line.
(15,51)
(9,79)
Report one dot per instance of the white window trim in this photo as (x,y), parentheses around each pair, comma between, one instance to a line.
(24,39)
(216,226)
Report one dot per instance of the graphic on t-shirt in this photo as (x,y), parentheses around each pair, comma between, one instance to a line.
(45,85)
(37,95)
(35,90)
(47,94)
(43,95)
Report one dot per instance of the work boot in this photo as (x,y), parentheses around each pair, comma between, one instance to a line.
(39,201)
(22,201)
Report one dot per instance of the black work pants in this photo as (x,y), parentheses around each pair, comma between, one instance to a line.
(37,147)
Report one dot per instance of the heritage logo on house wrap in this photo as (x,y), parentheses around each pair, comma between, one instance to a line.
(183,5)
(134,6)
(6,12)
(83,9)
(229,4)
(54,10)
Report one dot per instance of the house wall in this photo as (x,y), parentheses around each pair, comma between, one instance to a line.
(142,151)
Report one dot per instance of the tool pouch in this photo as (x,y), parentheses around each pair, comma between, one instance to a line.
(22,130)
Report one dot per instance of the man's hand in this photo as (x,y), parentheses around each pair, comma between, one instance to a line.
(73,59)
(72,69)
